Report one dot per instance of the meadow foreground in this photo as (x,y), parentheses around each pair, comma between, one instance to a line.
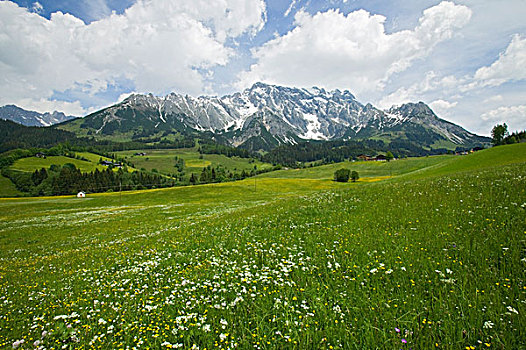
(433,257)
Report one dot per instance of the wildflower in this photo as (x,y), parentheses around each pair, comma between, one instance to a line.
(511,309)
(373,270)
(404,341)
(397,330)
(17,343)
(488,325)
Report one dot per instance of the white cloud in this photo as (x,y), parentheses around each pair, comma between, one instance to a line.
(289,9)
(495,98)
(507,114)
(350,51)
(431,83)
(159,45)
(45,105)
(510,66)
(513,116)
(441,107)
(37,7)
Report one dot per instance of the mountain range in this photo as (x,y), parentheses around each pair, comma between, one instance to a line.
(265,116)
(32,118)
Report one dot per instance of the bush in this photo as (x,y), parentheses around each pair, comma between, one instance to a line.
(354,176)
(342,175)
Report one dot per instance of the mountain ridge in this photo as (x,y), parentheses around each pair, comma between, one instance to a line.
(265,116)
(32,118)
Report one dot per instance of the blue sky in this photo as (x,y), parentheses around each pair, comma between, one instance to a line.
(464,58)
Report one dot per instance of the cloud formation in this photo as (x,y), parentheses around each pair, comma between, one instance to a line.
(350,51)
(159,45)
(514,116)
(510,66)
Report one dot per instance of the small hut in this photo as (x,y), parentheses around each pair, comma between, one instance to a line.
(81,194)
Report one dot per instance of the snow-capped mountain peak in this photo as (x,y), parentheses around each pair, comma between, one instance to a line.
(280,114)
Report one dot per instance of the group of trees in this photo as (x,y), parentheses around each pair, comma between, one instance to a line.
(67,179)
(500,135)
(343,175)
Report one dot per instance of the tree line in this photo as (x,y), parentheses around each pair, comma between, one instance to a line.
(500,135)
(67,179)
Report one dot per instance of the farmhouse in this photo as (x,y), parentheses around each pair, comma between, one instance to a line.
(364,157)
(40,155)
(380,158)
(81,194)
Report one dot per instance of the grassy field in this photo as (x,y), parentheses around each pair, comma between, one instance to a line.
(7,188)
(30,164)
(434,257)
(164,161)
(369,169)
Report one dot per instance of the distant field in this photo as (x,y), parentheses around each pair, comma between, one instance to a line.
(7,188)
(433,258)
(364,169)
(164,161)
(30,164)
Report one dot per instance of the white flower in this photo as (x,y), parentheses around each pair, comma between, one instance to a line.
(511,309)
(373,270)
(488,325)
(206,328)
(222,336)
(102,321)
(17,343)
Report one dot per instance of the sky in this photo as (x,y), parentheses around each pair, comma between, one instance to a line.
(464,58)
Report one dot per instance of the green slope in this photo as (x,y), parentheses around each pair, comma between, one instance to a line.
(488,158)
(370,169)
(7,188)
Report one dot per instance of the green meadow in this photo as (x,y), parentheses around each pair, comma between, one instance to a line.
(422,253)
(164,161)
(88,164)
